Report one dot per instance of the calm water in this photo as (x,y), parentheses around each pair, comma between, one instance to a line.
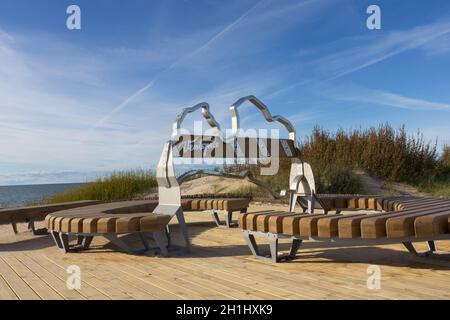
(13,196)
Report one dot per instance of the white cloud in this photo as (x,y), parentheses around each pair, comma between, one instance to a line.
(394,100)
(371,50)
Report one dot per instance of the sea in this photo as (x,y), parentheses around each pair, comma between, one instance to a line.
(16,196)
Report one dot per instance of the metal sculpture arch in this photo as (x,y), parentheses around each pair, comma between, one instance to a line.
(301,180)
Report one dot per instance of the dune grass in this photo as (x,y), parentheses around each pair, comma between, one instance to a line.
(122,185)
(382,152)
(438,189)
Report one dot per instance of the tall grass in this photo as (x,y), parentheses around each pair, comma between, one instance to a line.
(445,158)
(382,152)
(118,186)
(329,179)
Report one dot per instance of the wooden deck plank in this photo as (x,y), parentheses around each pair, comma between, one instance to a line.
(168,266)
(220,266)
(348,279)
(52,280)
(238,288)
(167,282)
(6,293)
(87,290)
(16,283)
(41,288)
(107,288)
(120,282)
(186,283)
(239,259)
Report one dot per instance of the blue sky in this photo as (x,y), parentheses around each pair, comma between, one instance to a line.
(75,104)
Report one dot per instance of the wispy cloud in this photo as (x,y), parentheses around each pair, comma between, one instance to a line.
(43,117)
(80,104)
(179,62)
(394,100)
(375,49)
(363,51)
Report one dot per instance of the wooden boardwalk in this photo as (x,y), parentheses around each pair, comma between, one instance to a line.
(219,267)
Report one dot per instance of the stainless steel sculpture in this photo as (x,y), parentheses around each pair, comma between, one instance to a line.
(235,124)
(301,182)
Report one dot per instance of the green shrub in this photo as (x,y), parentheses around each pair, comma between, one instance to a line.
(445,158)
(336,180)
(439,189)
(117,186)
(382,152)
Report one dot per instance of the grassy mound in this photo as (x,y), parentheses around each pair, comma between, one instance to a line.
(118,186)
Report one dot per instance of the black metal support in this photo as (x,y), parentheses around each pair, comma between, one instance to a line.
(56,238)
(431,245)
(14,227)
(216,218)
(169,238)
(87,242)
(64,242)
(32,227)
(228,218)
(80,240)
(411,249)
(296,243)
(251,242)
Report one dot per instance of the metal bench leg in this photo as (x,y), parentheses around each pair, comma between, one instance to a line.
(251,242)
(431,245)
(228,218)
(87,242)
(14,227)
(183,229)
(159,239)
(117,241)
(296,243)
(410,247)
(273,244)
(216,218)
(80,240)
(292,202)
(311,204)
(56,238)
(64,241)
(32,227)
(36,232)
(167,233)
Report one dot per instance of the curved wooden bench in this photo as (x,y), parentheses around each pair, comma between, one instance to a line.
(112,219)
(108,220)
(37,213)
(216,206)
(404,219)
